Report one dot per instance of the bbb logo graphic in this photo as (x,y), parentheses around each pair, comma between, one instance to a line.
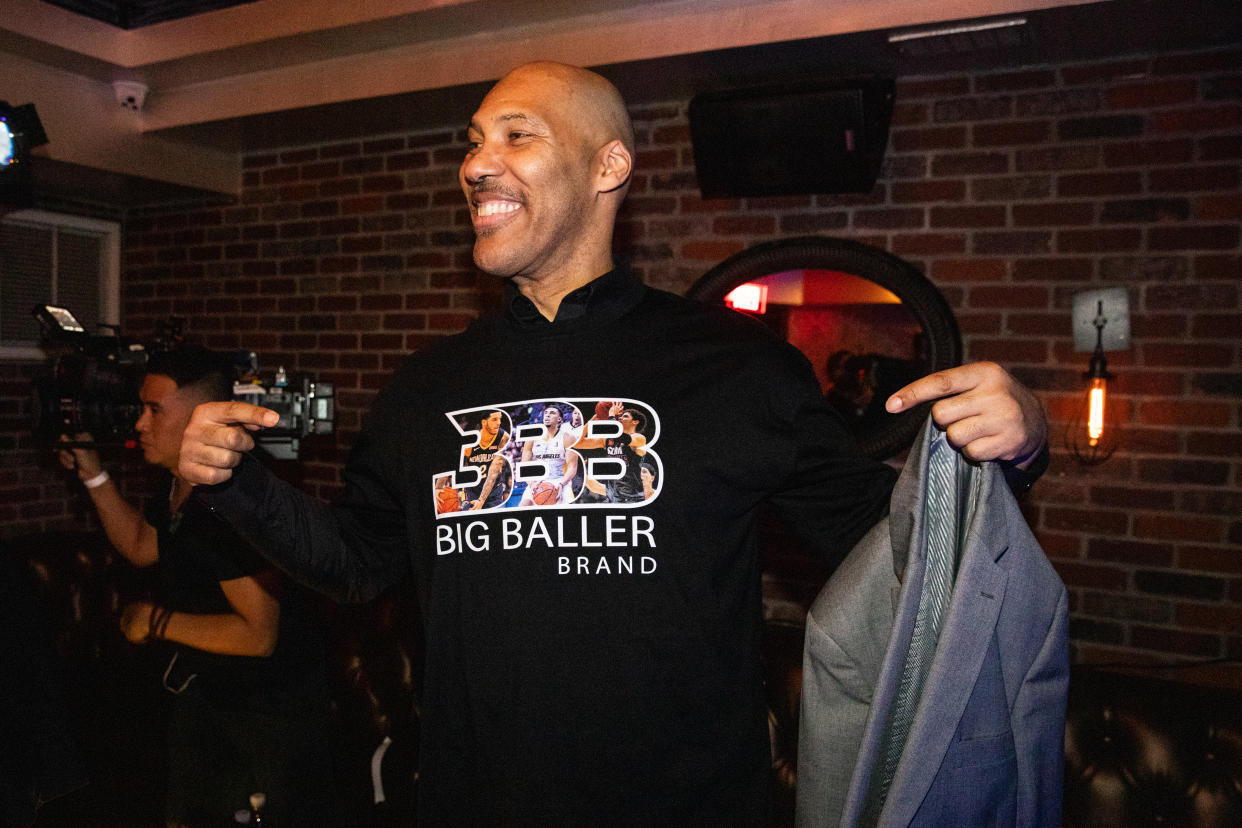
(549,453)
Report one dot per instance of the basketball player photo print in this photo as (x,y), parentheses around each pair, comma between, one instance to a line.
(539,454)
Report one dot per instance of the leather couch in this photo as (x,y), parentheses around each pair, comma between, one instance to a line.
(1140,750)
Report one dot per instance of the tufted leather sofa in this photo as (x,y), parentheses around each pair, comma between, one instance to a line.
(1140,750)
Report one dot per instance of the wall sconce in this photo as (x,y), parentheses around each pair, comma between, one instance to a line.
(1101,323)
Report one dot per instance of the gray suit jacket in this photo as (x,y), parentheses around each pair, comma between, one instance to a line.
(985,747)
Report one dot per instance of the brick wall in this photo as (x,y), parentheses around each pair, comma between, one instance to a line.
(1012,190)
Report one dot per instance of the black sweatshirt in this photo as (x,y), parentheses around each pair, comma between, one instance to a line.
(589,661)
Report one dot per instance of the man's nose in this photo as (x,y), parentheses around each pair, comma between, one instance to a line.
(482,162)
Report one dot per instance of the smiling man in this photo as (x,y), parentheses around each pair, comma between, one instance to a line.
(547,169)
(626,690)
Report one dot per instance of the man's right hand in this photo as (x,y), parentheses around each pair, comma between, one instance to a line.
(216,438)
(85,461)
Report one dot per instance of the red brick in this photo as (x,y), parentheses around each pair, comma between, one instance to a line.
(280,175)
(333,188)
(1057,545)
(890,219)
(1138,498)
(1053,269)
(382,145)
(659,158)
(931,138)
(710,251)
(1220,147)
(695,204)
(1094,521)
(1015,242)
(1152,93)
(250,162)
(1037,324)
(1178,527)
(1196,237)
(365,204)
(1009,350)
(978,323)
(744,225)
(1222,617)
(1220,207)
(925,191)
(1186,178)
(970,163)
(1010,133)
(1012,188)
(1216,325)
(1210,559)
(1150,383)
(1197,413)
(652,206)
(1172,641)
(1184,297)
(1147,153)
(1053,215)
(984,216)
(1211,502)
(1198,119)
(1097,184)
(969,270)
(932,88)
(664,135)
(1129,552)
(1218,266)
(928,244)
(1059,157)
(1012,81)
(821,222)
(1099,241)
(909,114)
(1090,575)
(405,161)
(1206,61)
(387,184)
(789,202)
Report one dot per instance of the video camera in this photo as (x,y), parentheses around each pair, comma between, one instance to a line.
(91,384)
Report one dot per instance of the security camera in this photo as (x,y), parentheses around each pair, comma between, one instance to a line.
(130,94)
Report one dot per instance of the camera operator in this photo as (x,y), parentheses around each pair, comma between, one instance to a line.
(247,666)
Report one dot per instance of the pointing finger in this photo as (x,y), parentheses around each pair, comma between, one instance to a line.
(934,386)
(235,412)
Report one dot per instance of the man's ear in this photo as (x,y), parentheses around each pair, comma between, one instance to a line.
(615,164)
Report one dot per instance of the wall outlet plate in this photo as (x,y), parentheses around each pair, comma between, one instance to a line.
(1113,304)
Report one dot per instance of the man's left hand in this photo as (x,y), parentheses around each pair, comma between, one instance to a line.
(985,412)
(136,621)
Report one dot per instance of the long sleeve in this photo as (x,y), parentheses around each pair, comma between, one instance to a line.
(351,550)
(832,493)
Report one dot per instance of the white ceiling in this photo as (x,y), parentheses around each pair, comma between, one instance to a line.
(281,72)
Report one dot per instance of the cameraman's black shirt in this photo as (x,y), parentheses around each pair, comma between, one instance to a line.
(197,551)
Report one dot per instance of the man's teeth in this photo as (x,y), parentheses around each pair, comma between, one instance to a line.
(491,208)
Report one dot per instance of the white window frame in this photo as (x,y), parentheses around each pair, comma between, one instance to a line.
(109,267)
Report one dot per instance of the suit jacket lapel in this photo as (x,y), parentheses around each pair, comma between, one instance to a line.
(904,542)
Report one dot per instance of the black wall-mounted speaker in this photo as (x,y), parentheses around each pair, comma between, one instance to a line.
(810,137)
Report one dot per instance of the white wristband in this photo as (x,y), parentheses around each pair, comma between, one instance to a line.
(97,481)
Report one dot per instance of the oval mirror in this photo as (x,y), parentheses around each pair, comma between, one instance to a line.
(868,321)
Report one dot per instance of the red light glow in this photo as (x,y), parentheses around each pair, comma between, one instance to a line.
(750,297)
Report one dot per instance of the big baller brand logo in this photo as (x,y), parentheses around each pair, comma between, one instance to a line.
(551,461)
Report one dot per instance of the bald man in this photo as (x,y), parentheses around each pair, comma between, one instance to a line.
(588,663)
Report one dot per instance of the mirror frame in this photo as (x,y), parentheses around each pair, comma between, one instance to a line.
(923,299)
